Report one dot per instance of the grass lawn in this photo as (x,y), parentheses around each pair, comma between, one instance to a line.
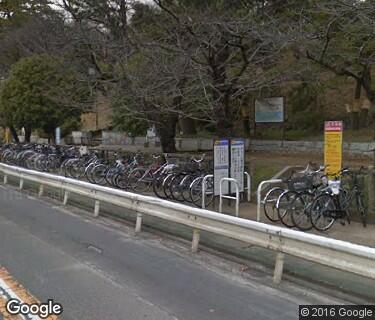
(262,171)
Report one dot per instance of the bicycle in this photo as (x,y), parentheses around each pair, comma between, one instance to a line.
(334,204)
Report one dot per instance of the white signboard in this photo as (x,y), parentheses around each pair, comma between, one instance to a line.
(269,110)
(58,135)
(151,133)
(237,163)
(83,150)
(221,165)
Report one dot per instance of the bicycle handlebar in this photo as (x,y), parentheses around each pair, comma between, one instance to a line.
(198,160)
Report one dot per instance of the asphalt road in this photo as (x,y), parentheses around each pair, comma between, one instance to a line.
(97,271)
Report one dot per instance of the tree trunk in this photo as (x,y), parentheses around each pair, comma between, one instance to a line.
(355,112)
(246,126)
(13,131)
(188,126)
(166,129)
(363,118)
(27,134)
(354,120)
(224,118)
(221,90)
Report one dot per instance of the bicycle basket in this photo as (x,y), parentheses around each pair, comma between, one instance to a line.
(300,183)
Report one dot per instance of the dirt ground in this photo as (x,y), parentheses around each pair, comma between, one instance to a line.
(301,159)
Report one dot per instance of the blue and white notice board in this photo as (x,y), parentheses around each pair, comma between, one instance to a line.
(237,162)
(221,165)
(229,161)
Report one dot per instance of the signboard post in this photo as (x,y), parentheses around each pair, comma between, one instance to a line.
(221,165)
(333,146)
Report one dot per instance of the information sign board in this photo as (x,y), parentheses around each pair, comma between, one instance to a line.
(333,146)
(237,162)
(221,164)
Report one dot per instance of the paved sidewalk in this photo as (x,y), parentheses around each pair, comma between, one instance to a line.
(353,232)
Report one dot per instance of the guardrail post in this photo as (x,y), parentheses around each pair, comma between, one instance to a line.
(21,183)
(41,190)
(195,241)
(138,223)
(96,208)
(5,179)
(66,196)
(279,265)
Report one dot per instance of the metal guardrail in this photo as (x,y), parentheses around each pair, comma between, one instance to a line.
(333,253)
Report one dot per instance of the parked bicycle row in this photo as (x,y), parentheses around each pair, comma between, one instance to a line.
(159,174)
(310,199)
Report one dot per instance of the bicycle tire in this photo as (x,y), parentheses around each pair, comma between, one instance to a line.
(361,208)
(157,186)
(271,198)
(285,207)
(135,182)
(301,218)
(319,207)
(175,187)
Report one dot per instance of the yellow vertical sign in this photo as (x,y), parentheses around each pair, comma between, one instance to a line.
(333,146)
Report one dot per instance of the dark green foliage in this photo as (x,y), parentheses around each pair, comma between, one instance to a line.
(304,110)
(33,95)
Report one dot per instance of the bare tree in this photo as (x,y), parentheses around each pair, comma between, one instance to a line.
(171,60)
(233,52)
(339,36)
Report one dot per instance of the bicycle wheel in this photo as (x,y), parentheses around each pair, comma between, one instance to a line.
(175,187)
(109,177)
(301,215)
(196,191)
(166,183)
(320,214)
(269,203)
(89,170)
(98,174)
(157,186)
(77,170)
(122,180)
(185,187)
(286,203)
(209,192)
(140,180)
(361,208)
